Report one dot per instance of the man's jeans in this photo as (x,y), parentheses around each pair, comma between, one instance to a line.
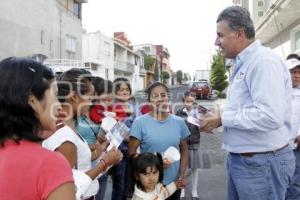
(293,191)
(260,177)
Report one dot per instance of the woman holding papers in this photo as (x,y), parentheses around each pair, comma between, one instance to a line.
(75,92)
(158,130)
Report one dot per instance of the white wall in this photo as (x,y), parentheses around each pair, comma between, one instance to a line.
(282,42)
(98,48)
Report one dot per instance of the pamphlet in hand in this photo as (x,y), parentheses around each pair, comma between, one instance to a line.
(116,135)
(116,132)
(194,121)
(172,154)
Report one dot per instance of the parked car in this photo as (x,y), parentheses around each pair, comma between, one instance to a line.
(214,94)
(202,89)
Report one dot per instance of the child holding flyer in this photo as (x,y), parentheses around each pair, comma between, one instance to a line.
(193,141)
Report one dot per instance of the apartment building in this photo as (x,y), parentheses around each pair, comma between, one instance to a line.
(98,54)
(48,29)
(161,62)
(279,26)
(257,8)
(128,63)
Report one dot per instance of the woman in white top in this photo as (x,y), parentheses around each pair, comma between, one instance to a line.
(75,92)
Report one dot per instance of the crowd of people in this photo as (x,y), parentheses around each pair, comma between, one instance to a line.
(54,144)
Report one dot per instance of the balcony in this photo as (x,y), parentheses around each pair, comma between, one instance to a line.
(130,67)
(62,65)
(286,13)
(123,66)
(81,1)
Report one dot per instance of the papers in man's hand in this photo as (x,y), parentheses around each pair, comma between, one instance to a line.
(194,121)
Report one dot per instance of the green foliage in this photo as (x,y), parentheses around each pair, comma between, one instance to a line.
(165,76)
(156,72)
(148,62)
(179,76)
(222,95)
(218,79)
(189,77)
(185,77)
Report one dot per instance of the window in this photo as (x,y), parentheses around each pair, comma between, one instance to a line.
(147,50)
(106,73)
(42,37)
(260,13)
(107,48)
(297,41)
(77,9)
(260,3)
(70,43)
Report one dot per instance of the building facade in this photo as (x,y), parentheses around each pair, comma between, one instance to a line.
(128,63)
(160,62)
(279,27)
(98,54)
(41,29)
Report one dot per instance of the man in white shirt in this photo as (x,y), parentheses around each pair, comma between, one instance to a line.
(293,191)
(256,119)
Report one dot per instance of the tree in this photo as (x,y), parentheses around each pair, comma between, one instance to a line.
(218,79)
(165,76)
(156,72)
(189,77)
(185,77)
(179,76)
(148,62)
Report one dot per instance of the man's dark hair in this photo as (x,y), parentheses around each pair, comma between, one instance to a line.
(293,55)
(238,18)
(20,78)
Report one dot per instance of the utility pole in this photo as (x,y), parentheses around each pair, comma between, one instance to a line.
(161,64)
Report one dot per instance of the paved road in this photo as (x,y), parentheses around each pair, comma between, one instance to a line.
(212,176)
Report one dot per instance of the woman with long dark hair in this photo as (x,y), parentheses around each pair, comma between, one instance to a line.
(28,110)
(158,130)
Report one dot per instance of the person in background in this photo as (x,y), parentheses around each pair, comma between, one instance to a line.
(193,141)
(124,113)
(158,130)
(103,102)
(28,113)
(256,118)
(293,191)
(293,55)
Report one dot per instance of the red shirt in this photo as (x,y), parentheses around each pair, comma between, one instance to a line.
(96,113)
(30,172)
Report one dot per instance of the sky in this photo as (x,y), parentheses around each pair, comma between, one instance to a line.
(186,27)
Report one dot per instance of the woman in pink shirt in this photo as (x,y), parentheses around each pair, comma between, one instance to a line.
(28,110)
